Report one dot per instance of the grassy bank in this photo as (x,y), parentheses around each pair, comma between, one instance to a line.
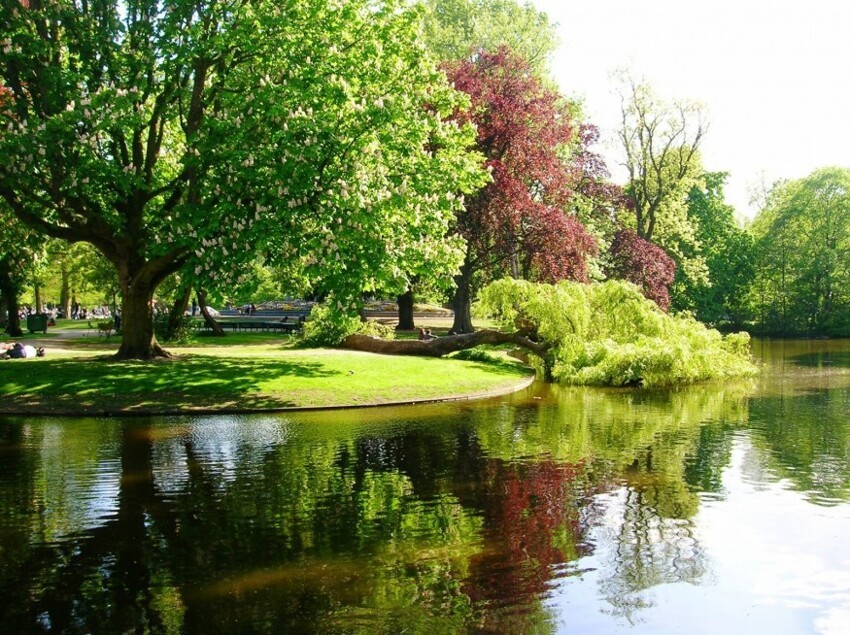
(238,372)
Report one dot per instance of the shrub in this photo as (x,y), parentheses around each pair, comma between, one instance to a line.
(477,354)
(182,334)
(610,334)
(329,328)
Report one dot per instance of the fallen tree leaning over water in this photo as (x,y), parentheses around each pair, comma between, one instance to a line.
(440,346)
(604,334)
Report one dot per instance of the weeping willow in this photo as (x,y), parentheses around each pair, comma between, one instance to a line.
(608,334)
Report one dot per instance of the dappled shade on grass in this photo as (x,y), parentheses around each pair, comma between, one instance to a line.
(245,377)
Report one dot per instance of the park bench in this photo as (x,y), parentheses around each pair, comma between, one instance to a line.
(287,326)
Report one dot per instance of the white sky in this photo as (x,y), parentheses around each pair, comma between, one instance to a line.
(773,74)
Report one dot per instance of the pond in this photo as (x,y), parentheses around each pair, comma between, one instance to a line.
(714,508)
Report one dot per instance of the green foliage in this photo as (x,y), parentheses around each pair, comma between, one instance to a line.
(185,137)
(20,252)
(75,272)
(727,250)
(328,326)
(660,141)
(453,29)
(609,334)
(181,335)
(802,242)
(477,354)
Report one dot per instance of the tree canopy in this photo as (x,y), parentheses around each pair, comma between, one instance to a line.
(456,29)
(727,250)
(187,135)
(802,247)
(521,222)
(644,264)
(660,140)
(20,248)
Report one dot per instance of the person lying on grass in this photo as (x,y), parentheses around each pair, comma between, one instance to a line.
(21,351)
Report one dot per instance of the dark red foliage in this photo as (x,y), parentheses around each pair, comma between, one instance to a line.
(643,263)
(558,246)
(531,513)
(523,128)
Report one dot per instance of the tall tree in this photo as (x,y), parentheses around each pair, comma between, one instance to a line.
(727,249)
(660,141)
(525,131)
(19,250)
(184,135)
(458,29)
(803,256)
(72,269)
(455,29)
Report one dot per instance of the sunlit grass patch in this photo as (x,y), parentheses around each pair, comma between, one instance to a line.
(247,372)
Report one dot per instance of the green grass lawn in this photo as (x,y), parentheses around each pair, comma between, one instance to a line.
(240,371)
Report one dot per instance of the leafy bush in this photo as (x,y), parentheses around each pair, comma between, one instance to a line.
(376,329)
(477,354)
(105,325)
(182,334)
(610,334)
(326,327)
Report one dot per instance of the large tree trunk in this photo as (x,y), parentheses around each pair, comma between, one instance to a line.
(175,316)
(405,312)
(462,302)
(440,346)
(210,321)
(138,340)
(39,305)
(65,293)
(13,323)
(9,291)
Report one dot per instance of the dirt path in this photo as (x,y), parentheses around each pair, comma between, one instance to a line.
(62,341)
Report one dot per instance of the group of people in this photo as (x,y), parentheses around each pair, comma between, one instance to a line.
(425,335)
(82,313)
(20,351)
(77,312)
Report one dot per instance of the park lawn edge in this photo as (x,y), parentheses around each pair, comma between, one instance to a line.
(86,382)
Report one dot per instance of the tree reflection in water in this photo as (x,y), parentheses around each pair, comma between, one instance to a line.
(467,518)
(532,525)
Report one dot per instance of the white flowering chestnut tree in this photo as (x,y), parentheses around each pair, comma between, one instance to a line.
(189,135)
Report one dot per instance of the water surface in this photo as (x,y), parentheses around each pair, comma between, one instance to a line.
(716,508)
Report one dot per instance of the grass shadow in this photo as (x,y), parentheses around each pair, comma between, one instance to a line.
(186,382)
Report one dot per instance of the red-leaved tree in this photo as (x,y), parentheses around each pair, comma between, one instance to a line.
(536,152)
(643,263)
